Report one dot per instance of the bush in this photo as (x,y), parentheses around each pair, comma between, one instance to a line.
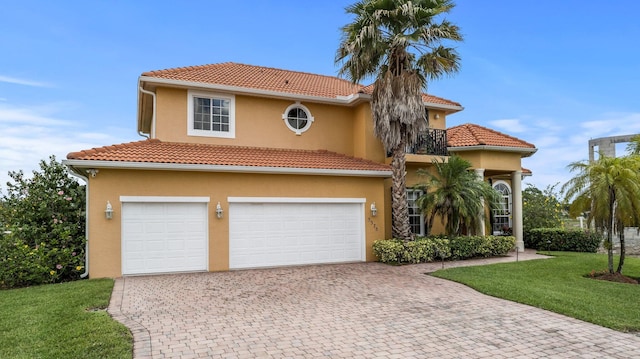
(560,239)
(42,238)
(428,249)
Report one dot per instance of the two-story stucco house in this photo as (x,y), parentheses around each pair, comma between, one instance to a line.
(247,166)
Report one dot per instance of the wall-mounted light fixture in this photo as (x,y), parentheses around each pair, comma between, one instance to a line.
(92,171)
(219,210)
(109,211)
(374,210)
(437,116)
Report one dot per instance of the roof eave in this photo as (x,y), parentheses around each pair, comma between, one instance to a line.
(524,151)
(338,100)
(223,168)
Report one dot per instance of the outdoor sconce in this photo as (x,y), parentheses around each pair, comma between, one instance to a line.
(109,211)
(219,210)
(374,210)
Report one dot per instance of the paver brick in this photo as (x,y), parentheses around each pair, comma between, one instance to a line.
(361,310)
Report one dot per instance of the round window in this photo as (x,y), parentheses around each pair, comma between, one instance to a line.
(298,118)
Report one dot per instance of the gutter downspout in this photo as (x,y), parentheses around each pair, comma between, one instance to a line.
(153,115)
(76,173)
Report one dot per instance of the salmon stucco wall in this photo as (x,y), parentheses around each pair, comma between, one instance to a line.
(105,235)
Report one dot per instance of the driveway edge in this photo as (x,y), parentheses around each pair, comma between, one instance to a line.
(141,337)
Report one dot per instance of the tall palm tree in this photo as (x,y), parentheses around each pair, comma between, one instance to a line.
(456,195)
(399,43)
(613,187)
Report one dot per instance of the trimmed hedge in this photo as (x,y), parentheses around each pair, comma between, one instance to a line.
(560,239)
(429,249)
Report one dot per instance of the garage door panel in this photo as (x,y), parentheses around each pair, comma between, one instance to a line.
(277,234)
(164,237)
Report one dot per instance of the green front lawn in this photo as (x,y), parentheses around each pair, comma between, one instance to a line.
(559,285)
(65,320)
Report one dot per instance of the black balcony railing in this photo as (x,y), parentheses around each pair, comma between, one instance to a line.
(431,142)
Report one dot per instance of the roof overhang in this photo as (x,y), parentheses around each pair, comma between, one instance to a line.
(524,152)
(338,100)
(91,164)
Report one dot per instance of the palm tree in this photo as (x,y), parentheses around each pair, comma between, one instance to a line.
(612,185)
(399,43)
(457,196)
(634,146)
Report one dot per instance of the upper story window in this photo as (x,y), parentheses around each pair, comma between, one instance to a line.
(298,118)
(211,114)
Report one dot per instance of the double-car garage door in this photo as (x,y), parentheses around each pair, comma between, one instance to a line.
(171,235)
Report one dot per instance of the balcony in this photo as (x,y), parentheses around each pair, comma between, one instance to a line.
(431,142)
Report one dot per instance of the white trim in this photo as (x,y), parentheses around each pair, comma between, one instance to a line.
(294,200)
(341,100)
(441,106)
(170,199)
(527,151)
(191,94)
(221,168)
(296,105)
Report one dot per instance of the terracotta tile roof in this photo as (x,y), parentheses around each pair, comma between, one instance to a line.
(272,79)
(425,97)
(156,151)
(476,135)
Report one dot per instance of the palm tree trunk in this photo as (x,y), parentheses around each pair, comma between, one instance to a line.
(610,224)
(622,249)
(399,208)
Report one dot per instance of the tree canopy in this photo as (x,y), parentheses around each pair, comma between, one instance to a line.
(400,44)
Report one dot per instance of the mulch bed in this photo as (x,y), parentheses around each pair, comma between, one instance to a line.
(615,277)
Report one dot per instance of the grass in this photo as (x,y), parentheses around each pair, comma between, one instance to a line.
(65,320)
(559,285)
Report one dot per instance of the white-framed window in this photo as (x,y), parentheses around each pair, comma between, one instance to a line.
(416,219)
(298,118)
(502,215)
(211,114)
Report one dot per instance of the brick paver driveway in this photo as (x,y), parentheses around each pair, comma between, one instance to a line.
(364,310)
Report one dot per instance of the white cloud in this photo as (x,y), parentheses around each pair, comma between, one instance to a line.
(27,116)
(29,135)
(17,81)
(559,144)
(510,125)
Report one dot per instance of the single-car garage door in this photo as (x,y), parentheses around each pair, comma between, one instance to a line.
(266,232)
(163,237)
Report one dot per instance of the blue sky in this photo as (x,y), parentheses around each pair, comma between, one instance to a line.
(553,73)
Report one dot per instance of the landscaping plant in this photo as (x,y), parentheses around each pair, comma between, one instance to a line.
(610,186)
(43,227)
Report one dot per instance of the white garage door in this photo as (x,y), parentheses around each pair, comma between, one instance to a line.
(162,237)
(277,234)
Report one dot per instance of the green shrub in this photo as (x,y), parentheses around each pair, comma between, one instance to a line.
(42,238)
(388,250)
(501,245)
(22,265)
(428,249)
(560,239)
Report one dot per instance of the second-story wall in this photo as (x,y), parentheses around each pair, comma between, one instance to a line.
(259,123)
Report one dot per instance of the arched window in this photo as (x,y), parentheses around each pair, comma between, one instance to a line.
(502,215)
